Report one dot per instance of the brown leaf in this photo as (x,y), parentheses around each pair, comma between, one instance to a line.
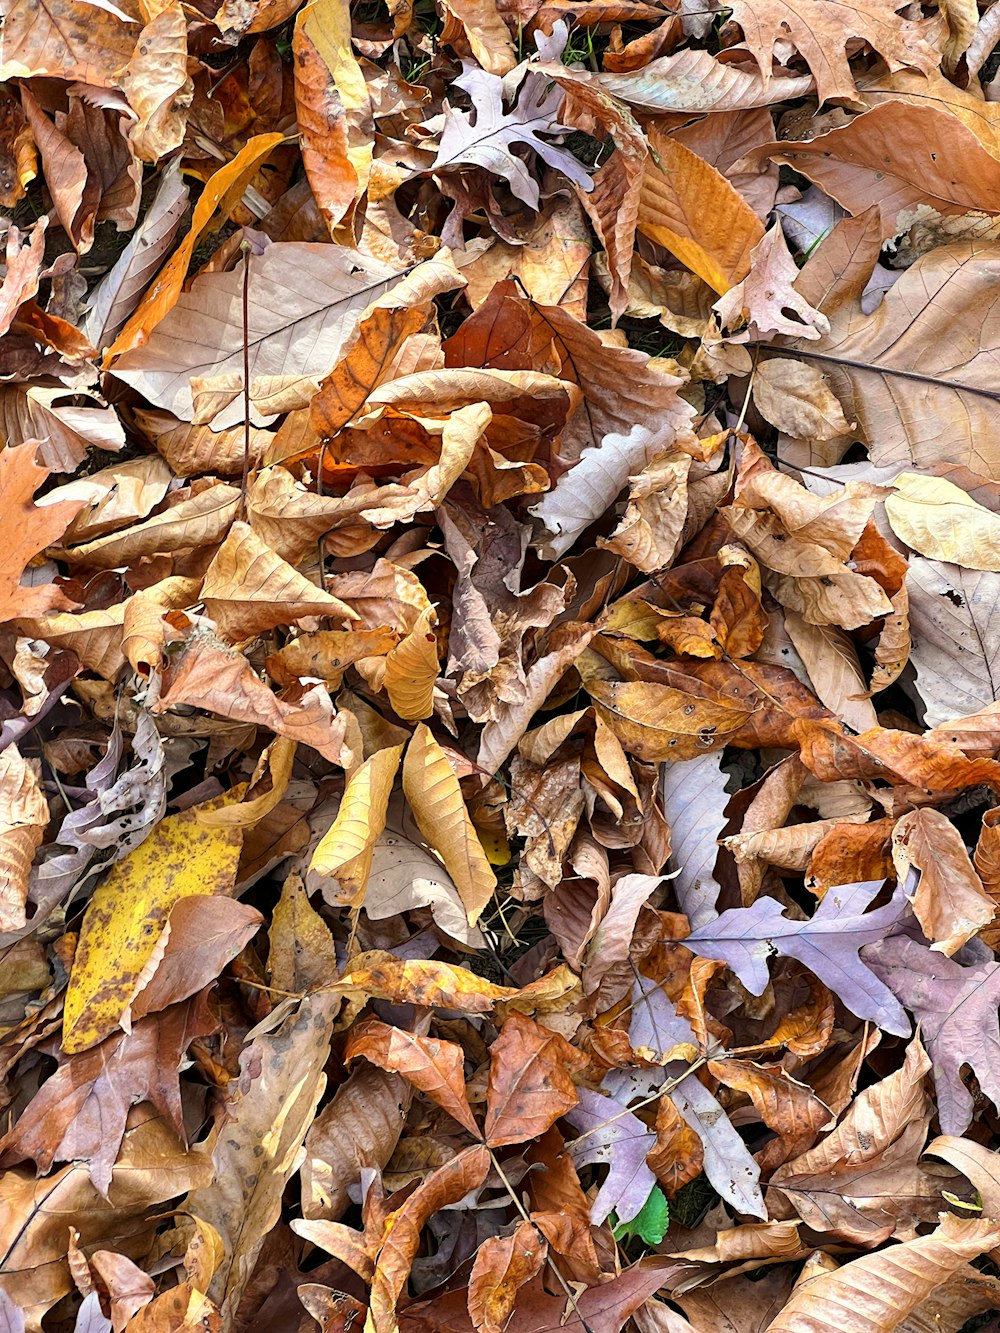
(503,1264)
(433,1067)
(268,1112)
(530,1083)
(677,1156)
(359,1128)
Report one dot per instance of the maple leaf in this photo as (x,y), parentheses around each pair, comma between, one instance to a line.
(33,527)
(828,943)
(485,137)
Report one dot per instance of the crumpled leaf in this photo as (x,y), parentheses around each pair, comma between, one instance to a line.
(767,292)
(259,1144)
(949,900)
(346,850)
(24,815)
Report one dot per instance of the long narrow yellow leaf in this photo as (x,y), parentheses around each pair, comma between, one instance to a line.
(411,669)
(345,850)
(435,798)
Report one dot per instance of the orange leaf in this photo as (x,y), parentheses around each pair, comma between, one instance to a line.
(502,1265)
(29,528)
(221,195)
(530,1084)
(433,1067)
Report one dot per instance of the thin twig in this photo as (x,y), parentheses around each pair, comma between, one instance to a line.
(541,1235)
(246,249)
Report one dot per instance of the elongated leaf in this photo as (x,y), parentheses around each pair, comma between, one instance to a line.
(436,800)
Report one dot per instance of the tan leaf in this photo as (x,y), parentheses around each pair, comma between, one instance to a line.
(359,1128)
(199,521)
(950,902)
(209,677)
(24,814)
(435,798)
(875,1293)
(794,396)
(268,1112)
(157,84)
(768,291)
(248,589)
(821,34)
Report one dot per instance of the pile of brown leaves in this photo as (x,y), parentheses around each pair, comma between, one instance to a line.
(499,821)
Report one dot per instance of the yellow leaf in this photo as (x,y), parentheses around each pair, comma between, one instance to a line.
(411,669)
(267,786)
(125,919)
(938,519)
(693,211)
(435,798)
(345,850)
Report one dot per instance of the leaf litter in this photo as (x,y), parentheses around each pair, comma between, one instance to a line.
(499,705)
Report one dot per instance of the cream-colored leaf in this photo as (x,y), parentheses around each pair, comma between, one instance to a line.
(767,292)
(940,520)
(24,814)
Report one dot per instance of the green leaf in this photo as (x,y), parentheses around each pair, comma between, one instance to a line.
(651,1221)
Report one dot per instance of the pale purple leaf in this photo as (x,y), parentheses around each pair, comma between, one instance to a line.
(694,801)
(827,943)
(956,1008)
(485,136)
(611,1133)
